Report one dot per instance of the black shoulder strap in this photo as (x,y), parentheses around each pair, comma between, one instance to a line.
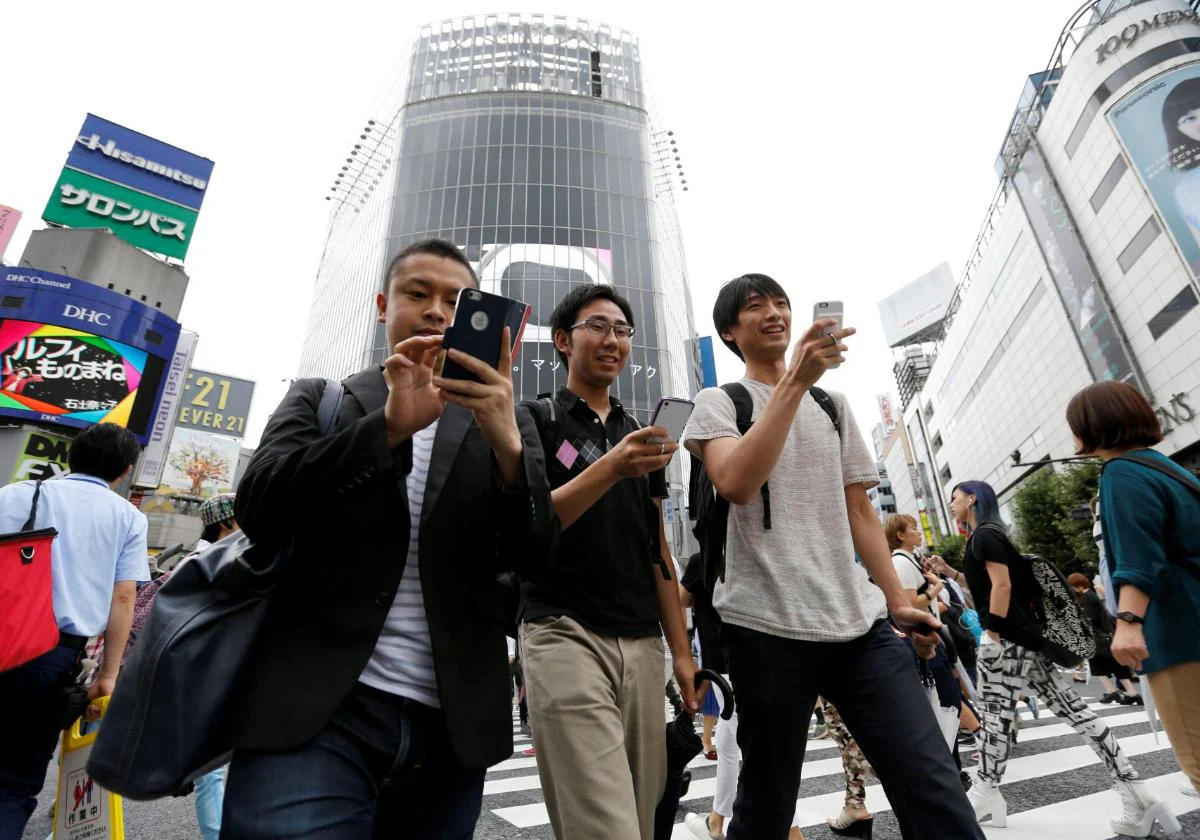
(327,410)
(37,494)
(1189,482)
(743,406)
(827,405)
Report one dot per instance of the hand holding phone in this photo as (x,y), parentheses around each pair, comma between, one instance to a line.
(671,414)
(826,309)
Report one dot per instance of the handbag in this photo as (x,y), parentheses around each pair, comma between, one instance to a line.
(164,726)
(28,627)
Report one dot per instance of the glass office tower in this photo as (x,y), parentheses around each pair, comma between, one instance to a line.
(527,141)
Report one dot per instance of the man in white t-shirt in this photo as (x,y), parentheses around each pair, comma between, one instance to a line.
(801,618)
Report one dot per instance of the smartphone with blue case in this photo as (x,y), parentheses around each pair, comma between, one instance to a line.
(479,322)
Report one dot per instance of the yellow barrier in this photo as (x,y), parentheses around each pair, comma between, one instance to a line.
(84,810)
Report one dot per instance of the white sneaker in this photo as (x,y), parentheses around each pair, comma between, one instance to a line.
(1185,787)
(1141,809)
(986,799)
(698,825)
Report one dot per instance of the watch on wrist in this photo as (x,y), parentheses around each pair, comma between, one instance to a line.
(1130,618)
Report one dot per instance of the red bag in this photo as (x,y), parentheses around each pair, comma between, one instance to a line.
(28,627)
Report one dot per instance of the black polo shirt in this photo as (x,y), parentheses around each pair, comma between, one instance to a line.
(604,575)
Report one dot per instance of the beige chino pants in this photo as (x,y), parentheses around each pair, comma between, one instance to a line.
(1177,699)
(597,711)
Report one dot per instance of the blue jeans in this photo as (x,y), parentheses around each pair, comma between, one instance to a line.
(382,767)
(210,794)
(30,707)
(872,682)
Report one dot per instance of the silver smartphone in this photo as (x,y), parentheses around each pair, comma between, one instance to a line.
(828,309)
(672,414)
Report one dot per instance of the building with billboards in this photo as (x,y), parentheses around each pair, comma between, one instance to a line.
(528,141)
(1086,266)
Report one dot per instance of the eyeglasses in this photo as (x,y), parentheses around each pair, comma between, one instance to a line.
(602,328)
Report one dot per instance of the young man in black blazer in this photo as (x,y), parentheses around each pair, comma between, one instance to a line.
(379,690)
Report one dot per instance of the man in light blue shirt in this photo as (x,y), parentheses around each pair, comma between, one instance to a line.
(98,560)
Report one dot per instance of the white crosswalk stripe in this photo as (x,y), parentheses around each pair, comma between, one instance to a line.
(1084,817)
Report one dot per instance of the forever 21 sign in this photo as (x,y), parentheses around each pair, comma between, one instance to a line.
(215,403)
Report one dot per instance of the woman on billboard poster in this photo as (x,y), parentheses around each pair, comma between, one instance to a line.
(1181,124)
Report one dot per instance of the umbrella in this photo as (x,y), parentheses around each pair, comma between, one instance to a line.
(1151,712)
(683,744)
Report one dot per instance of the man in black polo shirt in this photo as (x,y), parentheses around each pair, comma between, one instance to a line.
(590,637)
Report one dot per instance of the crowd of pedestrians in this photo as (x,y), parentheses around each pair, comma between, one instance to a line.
(432,517)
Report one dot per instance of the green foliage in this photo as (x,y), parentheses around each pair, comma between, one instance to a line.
(1042,512)
(951,550)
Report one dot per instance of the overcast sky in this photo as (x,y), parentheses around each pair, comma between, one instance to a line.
(845,149)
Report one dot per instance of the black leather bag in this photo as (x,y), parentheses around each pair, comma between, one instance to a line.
(164,724)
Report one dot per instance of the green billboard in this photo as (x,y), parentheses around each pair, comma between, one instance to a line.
(84,201)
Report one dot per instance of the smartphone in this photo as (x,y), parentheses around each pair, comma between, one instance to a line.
(479,322)
(828,309)
(672,414)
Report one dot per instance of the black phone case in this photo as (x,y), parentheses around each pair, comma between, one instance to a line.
(483,344)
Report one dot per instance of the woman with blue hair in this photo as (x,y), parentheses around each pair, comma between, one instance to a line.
(1010,660)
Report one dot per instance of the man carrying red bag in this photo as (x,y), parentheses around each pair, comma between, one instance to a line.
(99,558)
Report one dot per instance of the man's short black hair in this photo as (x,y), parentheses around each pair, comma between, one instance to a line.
(105,450)
(436,247)
(733,297)
(566,312)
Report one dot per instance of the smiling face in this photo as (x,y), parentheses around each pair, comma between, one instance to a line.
(421,296)
(592,359)
(960,506)
(1189,125)
(763,328)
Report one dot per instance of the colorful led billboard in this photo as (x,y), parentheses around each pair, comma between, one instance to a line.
(75,354)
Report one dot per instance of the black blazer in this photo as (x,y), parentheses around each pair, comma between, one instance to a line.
(341,501)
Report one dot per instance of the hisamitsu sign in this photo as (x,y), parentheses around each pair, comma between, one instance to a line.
(213,402)
(127,157)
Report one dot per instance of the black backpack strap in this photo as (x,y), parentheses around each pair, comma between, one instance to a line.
(827,405)
(37,494)
(545,417)
(327,409)
(743,406)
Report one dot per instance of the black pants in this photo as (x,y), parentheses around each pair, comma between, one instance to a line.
(31,708)
(872,682)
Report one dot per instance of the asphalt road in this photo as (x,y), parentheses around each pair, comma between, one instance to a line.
(1057,791)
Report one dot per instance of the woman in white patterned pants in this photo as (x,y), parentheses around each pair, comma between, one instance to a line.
(1010,660)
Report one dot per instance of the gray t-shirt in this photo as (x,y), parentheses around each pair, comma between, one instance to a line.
(798,580)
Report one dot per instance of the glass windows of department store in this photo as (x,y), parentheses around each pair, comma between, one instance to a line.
(545,192)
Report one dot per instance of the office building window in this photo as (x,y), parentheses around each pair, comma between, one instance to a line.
(1138,245)
(1180,305)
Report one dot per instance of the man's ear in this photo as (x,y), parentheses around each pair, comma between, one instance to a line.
(562,341)
(381,308)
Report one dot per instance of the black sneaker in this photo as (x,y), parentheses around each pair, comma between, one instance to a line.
(1112,697)
(1132,700)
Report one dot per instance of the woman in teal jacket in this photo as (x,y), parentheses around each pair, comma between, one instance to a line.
(1150,515)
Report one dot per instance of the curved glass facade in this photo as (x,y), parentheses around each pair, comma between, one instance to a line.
(526,141)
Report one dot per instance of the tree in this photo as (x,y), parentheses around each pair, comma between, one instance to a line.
(1042,509)
(200,464)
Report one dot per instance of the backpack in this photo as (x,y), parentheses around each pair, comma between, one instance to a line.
(1065,631)
(710,509)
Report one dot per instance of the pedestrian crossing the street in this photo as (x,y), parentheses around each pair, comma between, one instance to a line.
(1055,785)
